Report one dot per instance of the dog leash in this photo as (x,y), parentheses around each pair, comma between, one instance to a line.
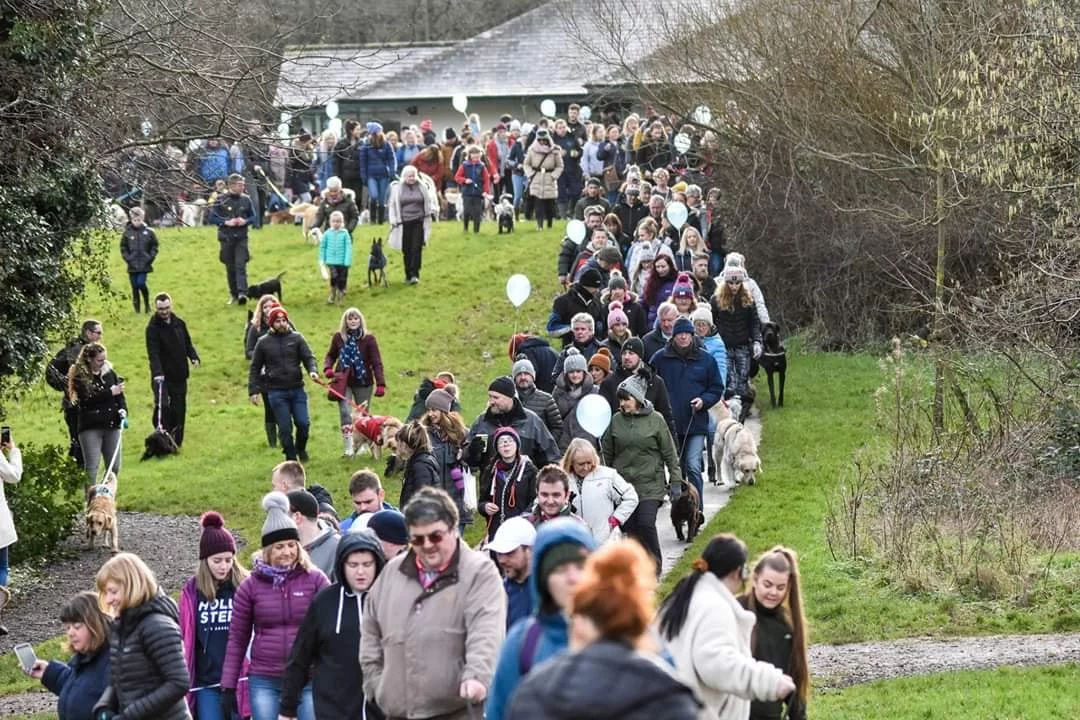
(335,393)
(119,444)
(160,395)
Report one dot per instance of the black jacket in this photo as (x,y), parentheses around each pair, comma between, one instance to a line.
(630,215)
(280,356)
(148,677)
(536,440)
(738,326)
(575,300)
(98,408)
(421,470)
(543,358)
(327,645)
(228,207)
(605,681)
(773,644)
(347,155)
(139,247)
(654,341)
(169,348)
(656,391)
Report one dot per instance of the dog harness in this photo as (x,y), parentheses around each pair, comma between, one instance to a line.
(370,426)
(102,490)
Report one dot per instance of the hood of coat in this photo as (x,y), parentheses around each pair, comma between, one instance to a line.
(551,533)
(160,604)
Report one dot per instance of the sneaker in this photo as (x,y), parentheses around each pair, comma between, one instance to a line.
(332,299)
(302,455)
(230,301)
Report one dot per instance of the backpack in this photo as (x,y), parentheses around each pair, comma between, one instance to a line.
(527,654)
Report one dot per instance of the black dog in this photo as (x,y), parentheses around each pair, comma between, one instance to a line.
(376,265)
(267,287)
(774,360)
(687,509)
(159,444)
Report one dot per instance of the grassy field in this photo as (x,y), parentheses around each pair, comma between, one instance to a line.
(1002,694)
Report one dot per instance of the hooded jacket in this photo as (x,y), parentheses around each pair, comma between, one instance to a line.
(543,404)
(345,204)
(600,495)
(607,680)
(543,357)
(276,362)
(543,165)
(640,446)
(567,399)
(694,375)
(148,678)
(656,392)
(323,552)
(327,646)
(554,636)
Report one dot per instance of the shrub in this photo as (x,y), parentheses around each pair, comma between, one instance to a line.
(45,502)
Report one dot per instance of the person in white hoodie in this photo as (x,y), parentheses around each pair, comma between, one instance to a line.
(708,634)
(11,469)
(600,495)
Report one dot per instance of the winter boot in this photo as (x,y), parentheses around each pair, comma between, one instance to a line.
(271,434)
(347,440)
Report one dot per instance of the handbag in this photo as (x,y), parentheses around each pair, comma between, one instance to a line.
(339,386)
(611,178)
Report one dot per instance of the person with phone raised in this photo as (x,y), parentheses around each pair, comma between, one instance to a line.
(80,682)
(10,472)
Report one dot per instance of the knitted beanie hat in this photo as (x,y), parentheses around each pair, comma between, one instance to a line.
(506,430)
(616,314)
(591,278)
(574,360)
(702,313)
(734,273)
(439,399)
(602,360)
(523,365)
(504,386)
(373,128)
(558,555)
(214,538)
(636,346)
(616,281)
(303,502)
(635,386)
(279,524)
(682,325)
(684,286)
(277,312)
(647,253)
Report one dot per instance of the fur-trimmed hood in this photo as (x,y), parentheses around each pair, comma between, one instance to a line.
(345,191)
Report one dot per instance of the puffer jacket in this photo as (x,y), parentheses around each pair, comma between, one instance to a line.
(641,446)
(448,456)
(567,399)
(536,440)
(276,361)
(421,471)
(148,678)
(600,495)
(738,326)
(345,204)
(139,247)
(543,358)
(543,404)
(543,166)
(377,162)
(327,646)
(335,248)
(619,683)
(695,375)
(274,615)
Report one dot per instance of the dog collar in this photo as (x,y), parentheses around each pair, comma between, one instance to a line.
(103,490)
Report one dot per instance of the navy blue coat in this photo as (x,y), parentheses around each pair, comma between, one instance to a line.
(694,377)
(79,684)
(377,162)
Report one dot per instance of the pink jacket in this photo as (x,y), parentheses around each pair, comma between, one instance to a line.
(189,598)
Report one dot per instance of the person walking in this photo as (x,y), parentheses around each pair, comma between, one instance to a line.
(602,497)
(326,651)
(233,213)
(535,399)
(434,621)
(169,349)
(206,605)
(709,634)
(281,353)
(412,207)
(56,374)
(780,633)
(268,608)
(335,252)
(98,393)
(421,468)
(447,432)
(736,320)
(610,668)
(11,469)
(147,676)
(139,247)
(543,166)
(507,483)
(78,684)
(641,449)
(559,553)
(353,355)
(513,548)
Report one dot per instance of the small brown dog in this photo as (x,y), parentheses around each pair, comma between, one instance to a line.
(374,432)
(687,509)
(101,526)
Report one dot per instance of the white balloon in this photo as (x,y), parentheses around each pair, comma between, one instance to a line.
(283,130)
(702,115)
(335,126)
(332,109)
(593,414)
(677,214)
(575,230)
(460,103)
(682,143)
(547,108)
(146,127)
(285,117)
(585,113)
(518,289)
(526,128)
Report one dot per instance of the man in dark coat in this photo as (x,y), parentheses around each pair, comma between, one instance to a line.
(233,213)
(632,362)
(505,410)
(169,348)
(540,353)
(581,297)
(630,210)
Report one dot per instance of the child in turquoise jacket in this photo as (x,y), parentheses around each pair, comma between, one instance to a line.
(335,252)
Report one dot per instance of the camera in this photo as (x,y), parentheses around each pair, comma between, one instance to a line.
(5,434)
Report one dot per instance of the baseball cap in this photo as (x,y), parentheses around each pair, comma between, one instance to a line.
(512,534)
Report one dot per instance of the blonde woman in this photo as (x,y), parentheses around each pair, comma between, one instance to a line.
(267,611)
(147,676)
(354,363)
(98,394)
(206,604)
(690,243)
(602,497)
(737,323)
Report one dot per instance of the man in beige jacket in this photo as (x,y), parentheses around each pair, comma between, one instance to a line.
(434,620)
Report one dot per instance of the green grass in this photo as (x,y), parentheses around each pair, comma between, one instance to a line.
(1002,694)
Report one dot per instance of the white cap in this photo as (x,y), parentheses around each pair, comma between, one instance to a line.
(512,534)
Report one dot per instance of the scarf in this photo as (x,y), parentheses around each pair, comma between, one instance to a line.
(277,574)
(350,354)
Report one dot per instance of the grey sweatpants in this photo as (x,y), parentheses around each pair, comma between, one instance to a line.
(98,446)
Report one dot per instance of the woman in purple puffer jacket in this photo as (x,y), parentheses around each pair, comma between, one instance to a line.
(271,602)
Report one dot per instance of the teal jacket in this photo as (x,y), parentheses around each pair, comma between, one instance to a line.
(335,248)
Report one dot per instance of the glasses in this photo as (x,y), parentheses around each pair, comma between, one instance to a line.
(95,332)
(435,537)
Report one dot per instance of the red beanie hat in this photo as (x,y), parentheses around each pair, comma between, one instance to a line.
(215,538)
(277,312)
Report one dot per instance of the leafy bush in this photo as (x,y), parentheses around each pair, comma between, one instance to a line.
(45,502)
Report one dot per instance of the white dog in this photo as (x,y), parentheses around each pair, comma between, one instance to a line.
(734,448)
(193,214)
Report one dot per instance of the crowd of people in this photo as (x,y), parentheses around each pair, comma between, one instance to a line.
(386,611)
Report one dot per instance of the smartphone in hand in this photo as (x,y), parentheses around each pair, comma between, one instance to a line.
(5,435)
(25,653)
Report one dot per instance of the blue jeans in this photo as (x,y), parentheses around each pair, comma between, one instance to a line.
(3,567)
(377,191)
(693,461)
(208,705)
(265,694)
(290,406)
(519,189)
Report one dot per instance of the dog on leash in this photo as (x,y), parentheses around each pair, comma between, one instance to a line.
(101,527)
(455,206)
(734,449)
(774,360)
(374,433)
(306,211)
(376,265)
(504,212)
(687,509)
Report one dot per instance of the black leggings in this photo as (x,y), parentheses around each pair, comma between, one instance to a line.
(472,209)
(545,210)
(641,525)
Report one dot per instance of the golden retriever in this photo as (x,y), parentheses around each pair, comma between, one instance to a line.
(101,525)
(734,449)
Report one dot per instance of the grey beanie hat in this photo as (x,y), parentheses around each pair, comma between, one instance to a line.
(522,364)
(279,524)
(574,360)
(635,386)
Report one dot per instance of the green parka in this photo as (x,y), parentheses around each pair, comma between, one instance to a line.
(638,446)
